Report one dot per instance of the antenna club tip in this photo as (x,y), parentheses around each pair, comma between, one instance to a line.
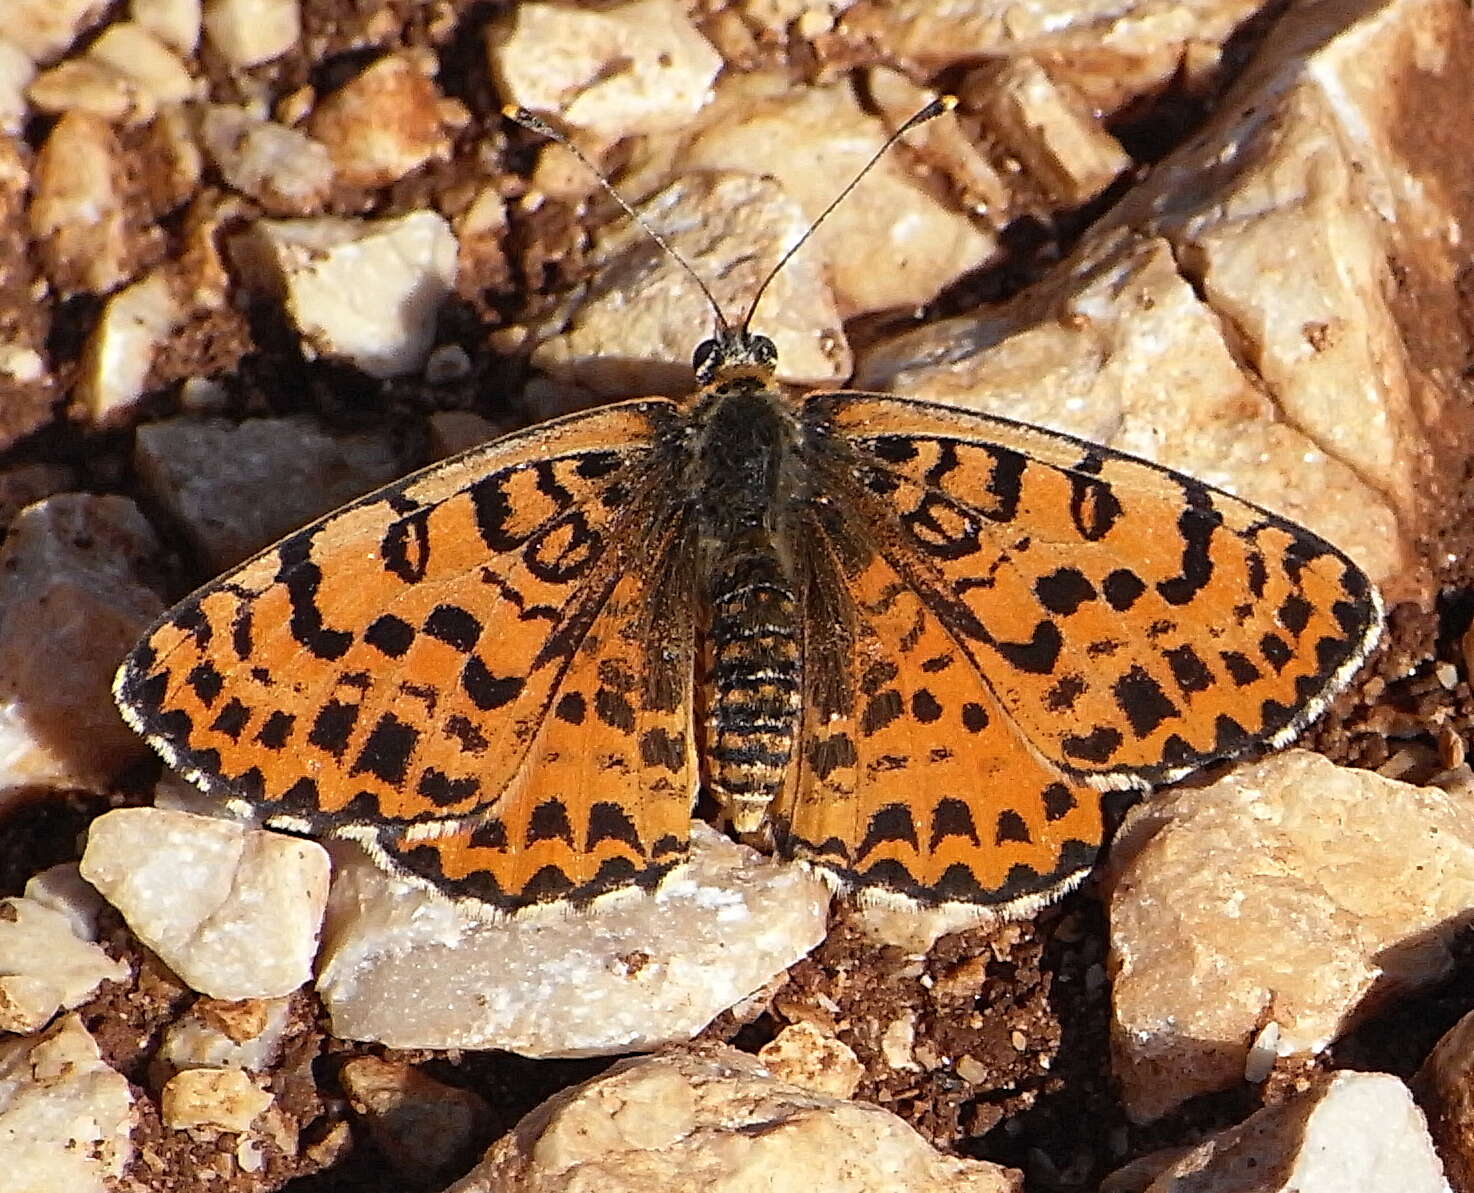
(947,102)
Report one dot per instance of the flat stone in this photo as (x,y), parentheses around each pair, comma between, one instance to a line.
(1444,1087)
(717,1120)
(631,332)
(250,32)
(65,1116)
(236,487)
(136,323)
(613,71)
(233,911)
(367,291)
(283,169)
(45,966)
(1352,1133)
(71,605)
(382,124)
(1290,891)
(218,1099)
(407,968)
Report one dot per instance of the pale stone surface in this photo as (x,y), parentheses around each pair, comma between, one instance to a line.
(1274,235)
(406,968)
(1290,891)
(70,607)
(221,1099)
(236,487)
(1049,128)
(942,142)
(175,22)
(46,28)
(89,86)
(616,71)
(234,911)
(814,140)
(1445,1089)
(367,291)
(1112,51)
(65,1116)
(249,32)
(641,315)
(381,124)
(283,169)
(717,1120)
(62,889)
(420,1125)
(151,65)
(45,966)
(16,73)
(135,323)
(76,210)
(805,1056)
(1354,1133)
(200,1039)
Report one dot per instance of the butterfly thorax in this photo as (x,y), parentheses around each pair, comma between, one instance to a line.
(744,467)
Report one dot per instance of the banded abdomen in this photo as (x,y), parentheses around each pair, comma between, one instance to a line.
(753,710)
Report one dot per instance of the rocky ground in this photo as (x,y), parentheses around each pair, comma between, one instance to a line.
(261,258)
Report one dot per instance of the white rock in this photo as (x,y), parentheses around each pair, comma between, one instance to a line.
(717,1121)
(236,487)
(197,1039)
(175,22)
(1355,1133)
(282,168)
(221,1099)
(70,607)
(364,290)
(62,889)
(76,211)
(135,323)
(814,140)
(250,32)
(405,968)
(381,124)
(612,71)
(1287,891)
(154,67)
(233,911)
(803,1055)
(91,86)
(1444,1087)
(44,966)
(632,331)
(46,28)
(1049,128)
(65,1116)
(16,72)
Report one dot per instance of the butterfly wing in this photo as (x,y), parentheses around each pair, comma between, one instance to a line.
(395,664)
(911,780)
(1130,624)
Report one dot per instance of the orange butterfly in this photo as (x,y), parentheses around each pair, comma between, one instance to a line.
(907,644)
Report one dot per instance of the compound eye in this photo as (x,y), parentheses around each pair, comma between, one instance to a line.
(704,358)
(764,351)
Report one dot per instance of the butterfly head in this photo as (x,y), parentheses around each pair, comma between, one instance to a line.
(734,352)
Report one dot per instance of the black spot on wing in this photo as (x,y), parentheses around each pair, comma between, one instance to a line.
(387,750)
(1140,697)
(391,636)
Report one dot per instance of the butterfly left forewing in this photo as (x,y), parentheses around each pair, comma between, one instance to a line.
(1133,623)
(391,663)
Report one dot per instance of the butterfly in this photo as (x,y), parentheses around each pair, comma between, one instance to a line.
(905,644)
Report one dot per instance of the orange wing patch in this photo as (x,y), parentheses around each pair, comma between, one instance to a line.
(922,788)
(603,797)
(394,662)
(1133,622)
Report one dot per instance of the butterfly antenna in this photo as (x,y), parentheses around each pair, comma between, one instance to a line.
(538,125)
(938,107)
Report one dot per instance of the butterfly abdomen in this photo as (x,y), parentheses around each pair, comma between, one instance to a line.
(753,711)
